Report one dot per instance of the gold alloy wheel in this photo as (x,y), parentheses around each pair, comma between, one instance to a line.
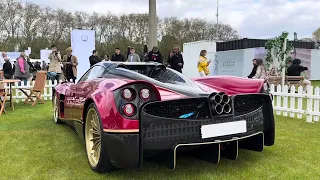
(93,137)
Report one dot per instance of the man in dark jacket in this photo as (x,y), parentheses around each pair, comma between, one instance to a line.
(37,65)
(296,69)
(94,59)
(7,69)
(175,60)
(254,69)
(117,56)
(155,55)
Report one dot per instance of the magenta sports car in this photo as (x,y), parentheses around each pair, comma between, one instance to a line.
(127,112)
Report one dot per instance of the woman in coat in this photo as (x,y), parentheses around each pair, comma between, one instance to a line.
(261,72)
(54,66)
(70,64)
(22,69)
(203,64)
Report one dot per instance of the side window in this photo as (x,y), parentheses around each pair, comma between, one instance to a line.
(93,73)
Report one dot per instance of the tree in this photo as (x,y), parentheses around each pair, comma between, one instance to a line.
(10,21)
(316,35)
(29,25)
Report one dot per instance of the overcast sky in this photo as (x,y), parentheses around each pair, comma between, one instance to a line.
(251,18)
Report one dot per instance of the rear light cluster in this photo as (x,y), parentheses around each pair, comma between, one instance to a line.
(129,108)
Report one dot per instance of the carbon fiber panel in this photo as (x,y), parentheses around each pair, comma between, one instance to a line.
(163,133)
(123,150)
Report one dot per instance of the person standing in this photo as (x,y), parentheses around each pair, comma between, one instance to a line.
(203,64)
(155,55)
(22,69)
(144,55)
(70,64)
(37,66)
(94,59)
(175,60)
(296,69)
(7,69)
(117,56)
(44,66)
(2,60)
(5,58)
(106,58)
(254,69)
(54,66)
(133,57)
(32,70)
(261,72)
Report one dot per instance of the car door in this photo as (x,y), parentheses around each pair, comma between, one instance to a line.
(81,90)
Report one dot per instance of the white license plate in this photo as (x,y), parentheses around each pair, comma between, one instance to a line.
(222,129)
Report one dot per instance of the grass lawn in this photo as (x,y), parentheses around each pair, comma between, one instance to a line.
(33,147)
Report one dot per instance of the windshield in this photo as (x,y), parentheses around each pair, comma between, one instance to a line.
(167,75)
(163,75)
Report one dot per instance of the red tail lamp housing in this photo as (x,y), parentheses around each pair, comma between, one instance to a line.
(127,94)
(145,94)
(129,110)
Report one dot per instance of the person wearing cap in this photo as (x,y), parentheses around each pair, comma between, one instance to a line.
(70,63)
(54,66)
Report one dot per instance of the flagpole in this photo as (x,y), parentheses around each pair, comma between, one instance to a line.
(217,28)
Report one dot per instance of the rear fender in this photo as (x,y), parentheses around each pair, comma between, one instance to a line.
(232,85)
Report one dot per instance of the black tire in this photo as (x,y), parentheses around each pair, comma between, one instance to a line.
(102,163)
(55,115)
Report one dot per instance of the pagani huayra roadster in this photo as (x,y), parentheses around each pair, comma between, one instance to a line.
(127,112)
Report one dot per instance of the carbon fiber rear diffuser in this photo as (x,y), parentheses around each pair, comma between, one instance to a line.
(213,151)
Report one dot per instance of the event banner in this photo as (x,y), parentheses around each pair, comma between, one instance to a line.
(305,56)
(44,55)
(82,43)
(230,63)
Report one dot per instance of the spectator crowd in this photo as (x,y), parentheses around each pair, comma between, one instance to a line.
(65,67)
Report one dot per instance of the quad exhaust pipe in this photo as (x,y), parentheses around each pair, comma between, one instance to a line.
(216,98)
(220,103)
(226,108)
(219,109)
(225,98)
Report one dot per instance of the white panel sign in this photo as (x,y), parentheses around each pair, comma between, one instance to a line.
(82,44)
(191,54)
(230,63)
(315,64)
(44,54)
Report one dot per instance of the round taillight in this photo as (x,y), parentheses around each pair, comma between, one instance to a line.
(145,94)
(129,110)
(127,94)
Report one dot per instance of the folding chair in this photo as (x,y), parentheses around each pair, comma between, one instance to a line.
(3,95)
(3,98)
(35,93)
